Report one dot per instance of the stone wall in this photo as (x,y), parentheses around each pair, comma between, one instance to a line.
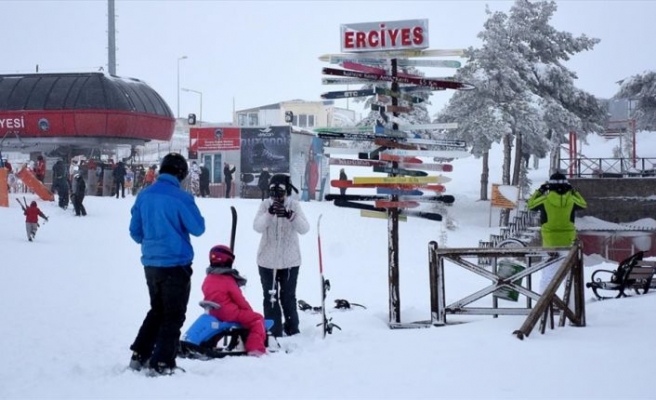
(617,199)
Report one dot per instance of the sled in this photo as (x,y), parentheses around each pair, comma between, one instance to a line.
(209,338)
(631,273)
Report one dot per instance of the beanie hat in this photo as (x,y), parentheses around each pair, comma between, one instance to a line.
(557,178)
(221,256)
(281,181)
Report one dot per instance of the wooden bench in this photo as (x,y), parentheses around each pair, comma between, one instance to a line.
(633,273)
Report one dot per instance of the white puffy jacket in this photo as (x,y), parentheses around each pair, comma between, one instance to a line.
(279,247)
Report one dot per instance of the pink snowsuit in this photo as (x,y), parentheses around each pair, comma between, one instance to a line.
(223,289)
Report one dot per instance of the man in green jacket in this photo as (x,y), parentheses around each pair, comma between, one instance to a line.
(556,201)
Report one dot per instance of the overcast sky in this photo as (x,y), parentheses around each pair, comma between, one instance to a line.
(262,52)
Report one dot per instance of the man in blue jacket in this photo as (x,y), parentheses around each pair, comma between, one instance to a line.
(163,216)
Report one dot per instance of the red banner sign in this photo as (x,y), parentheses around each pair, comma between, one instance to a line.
(214,138)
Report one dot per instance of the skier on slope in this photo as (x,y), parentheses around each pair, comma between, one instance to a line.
(32,214)
(280,219)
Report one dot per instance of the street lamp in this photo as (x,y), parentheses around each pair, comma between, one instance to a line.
(201,102)
(179,59)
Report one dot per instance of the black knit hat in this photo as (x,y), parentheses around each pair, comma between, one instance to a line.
(282,180)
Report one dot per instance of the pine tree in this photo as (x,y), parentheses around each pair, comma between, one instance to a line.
(640,90)
(523,93)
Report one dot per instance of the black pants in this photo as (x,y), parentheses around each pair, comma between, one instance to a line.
(265,193)
(160,331)
(120,184)
(78,206)
(204,189)
(228,185)
(284,297)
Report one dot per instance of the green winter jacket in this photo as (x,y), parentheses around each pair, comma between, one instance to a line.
(557,216)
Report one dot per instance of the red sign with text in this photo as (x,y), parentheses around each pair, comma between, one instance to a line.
(214,138)
(384,36)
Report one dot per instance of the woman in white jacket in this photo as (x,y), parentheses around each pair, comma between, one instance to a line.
(280,219)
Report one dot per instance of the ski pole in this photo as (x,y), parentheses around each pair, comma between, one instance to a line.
(272,292)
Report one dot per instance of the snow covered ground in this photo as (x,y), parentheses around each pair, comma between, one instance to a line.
(72,301)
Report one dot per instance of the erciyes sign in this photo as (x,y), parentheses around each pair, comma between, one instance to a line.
(384,36)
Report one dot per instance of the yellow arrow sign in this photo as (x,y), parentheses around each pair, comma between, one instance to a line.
(380,214)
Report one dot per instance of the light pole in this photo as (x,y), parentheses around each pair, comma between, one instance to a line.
(178,92)
(200,119)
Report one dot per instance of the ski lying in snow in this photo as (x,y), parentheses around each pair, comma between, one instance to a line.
(433,83)
(399,171)
(402,62)
(398,54)
(446,199)
(349,184)
(410,213)
(340,304)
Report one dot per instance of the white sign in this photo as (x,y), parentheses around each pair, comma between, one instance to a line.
(384,36)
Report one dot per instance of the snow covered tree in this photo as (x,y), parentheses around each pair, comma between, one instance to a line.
(526,90)
(641,91)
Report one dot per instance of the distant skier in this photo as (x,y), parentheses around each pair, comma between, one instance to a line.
(263,182)
(204,181)
(32,214)
(342,177)
(40,168)
(227,177)
(119,178)
(60,183)
(78,189)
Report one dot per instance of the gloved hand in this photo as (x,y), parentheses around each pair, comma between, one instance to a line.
(281,212)
(544,188)
(277,208)
(289,214)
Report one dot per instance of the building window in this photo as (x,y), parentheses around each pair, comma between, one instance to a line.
(241,119)
(252,119)
(304,121)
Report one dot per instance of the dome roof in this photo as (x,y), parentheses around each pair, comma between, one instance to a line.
(79,91)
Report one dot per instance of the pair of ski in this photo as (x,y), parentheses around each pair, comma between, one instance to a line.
(346,94)
(340,304)
(386,164)
(433,83)
(403,62)
(446,198)
(369,207)
(401,127)
(345,184)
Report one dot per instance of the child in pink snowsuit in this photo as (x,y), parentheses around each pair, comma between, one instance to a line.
(221,286)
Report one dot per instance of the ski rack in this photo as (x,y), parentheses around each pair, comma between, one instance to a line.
(531,260)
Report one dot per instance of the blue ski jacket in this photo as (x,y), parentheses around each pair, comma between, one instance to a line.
(163,216)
